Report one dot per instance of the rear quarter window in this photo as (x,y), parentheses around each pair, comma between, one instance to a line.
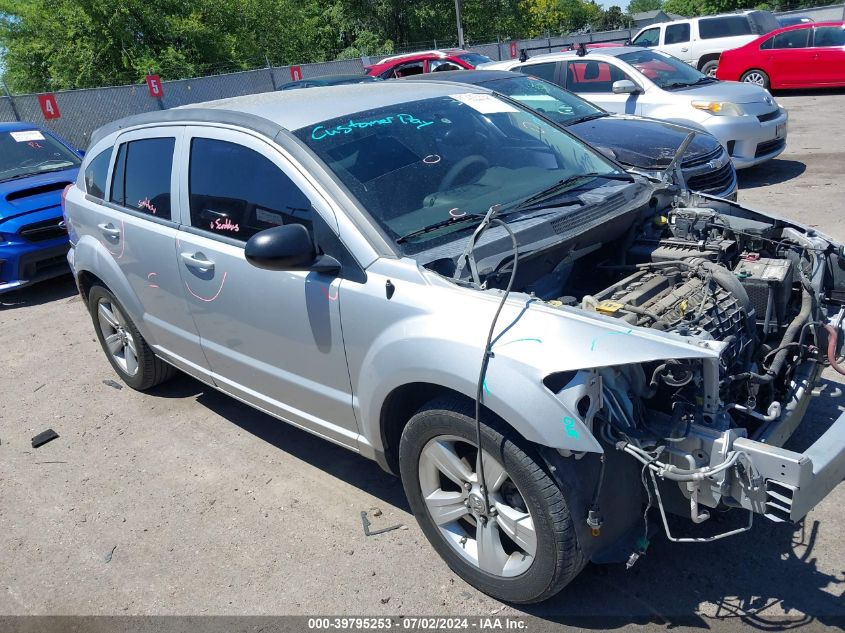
(96,173)
(141,179)
(727,26)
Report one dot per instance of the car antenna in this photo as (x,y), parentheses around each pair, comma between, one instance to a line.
(581,50)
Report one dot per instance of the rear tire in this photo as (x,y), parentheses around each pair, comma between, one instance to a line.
(709,68)
(756,77)
(125,348)
(535,550)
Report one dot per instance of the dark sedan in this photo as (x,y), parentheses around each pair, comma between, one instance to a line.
(646,144)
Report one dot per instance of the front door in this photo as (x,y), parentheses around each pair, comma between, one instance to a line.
(791,57)
(829,55)
(593,80)
(271,338)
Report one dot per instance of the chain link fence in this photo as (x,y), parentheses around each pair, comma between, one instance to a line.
(83,111)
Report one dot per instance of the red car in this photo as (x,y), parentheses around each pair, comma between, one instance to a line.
(810,55)
(426,62)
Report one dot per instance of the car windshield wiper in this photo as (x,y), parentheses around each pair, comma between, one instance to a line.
(562,186)
(438,225)
(587,117)
(677,84)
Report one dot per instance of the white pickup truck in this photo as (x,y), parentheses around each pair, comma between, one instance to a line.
(700,41)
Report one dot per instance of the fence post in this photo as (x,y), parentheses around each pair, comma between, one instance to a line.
(270,70)
(11,100)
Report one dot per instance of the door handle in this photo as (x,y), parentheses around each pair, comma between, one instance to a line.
(684,49)
(197,260)
(109,230)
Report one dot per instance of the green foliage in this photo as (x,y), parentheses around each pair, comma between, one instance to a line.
(641,6)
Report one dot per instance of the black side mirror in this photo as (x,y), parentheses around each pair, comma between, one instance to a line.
(287,247)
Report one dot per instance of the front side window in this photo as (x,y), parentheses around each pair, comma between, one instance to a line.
(664,70)
(791,39)
(237,192)
(649,37)
(727,26)
(677,33)
(141,179)
(543,71)
(96,173)
(830,36)
(592,76)
(30,152)
(431,161)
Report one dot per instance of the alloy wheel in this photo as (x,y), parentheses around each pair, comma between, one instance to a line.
(117,337)
(499,540)
(755,78)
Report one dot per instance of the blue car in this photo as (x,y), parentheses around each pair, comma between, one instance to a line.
(35,168)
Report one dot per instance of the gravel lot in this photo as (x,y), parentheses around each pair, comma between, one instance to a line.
(183,501)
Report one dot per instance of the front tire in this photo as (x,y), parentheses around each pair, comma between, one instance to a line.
(756,77)
(125,348)
(525,549)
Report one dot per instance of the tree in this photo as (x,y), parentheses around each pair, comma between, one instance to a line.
(641,6)
(613,19)
(561,16)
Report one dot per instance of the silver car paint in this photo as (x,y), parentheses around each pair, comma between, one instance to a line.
(429,332)
(676,106)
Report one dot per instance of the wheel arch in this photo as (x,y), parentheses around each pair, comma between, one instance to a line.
(707,57)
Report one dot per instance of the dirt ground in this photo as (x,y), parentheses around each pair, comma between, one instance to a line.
(184,501)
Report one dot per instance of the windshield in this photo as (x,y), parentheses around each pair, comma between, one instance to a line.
(664,70)
(417,164)
(474,59)
(556,103)
(29,152)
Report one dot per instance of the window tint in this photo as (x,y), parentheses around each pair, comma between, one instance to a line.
(406,70)
(791,39)
(141,178)
(830,36)
(592,76)
(237,192)
(728,26)
(541,71)
(767,44)
(96,173)
(649,37)
(677,33)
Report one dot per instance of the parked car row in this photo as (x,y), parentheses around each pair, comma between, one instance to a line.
(449,282)
(755,47)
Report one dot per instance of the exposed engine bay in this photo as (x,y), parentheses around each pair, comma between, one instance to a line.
(769,292)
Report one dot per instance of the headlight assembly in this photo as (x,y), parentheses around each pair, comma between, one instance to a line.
(718,108)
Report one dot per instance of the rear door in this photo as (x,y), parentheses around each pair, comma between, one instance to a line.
(829,55)
(138,225)
(271,338)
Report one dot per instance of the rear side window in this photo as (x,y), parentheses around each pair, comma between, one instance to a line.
(649,37)
(541,71)
(791,39)
(677,33)
(592,76)
(830,36)
(141,178)
(237,192)
(96,174)
(727,26)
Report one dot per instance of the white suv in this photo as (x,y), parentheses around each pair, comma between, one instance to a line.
(700,41)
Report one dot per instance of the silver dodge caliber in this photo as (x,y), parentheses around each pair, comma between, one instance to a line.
(537,342)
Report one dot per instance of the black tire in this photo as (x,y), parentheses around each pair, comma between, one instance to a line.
(151,370)
(709,67)
(558,557)
(756,71)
